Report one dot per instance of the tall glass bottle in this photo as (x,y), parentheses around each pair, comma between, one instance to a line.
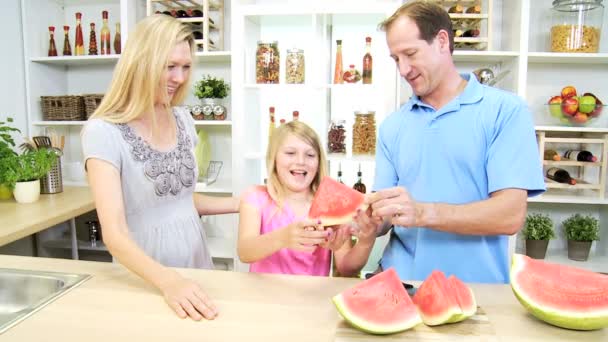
(271,125)
(338,71)
(117,46)
(367,61)
(52,47)
(295,115)
(340,173)
(79,40)
(359,186)
(104,35)
(92,41)
(67,48)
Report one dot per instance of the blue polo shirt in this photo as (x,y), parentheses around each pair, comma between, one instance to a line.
(480,142)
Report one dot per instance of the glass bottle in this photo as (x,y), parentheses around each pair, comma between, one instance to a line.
(359,186)
(364,133)
(117,46)
(367,61)
(67,48)
(476,9)
(281,122)
(294,66)
(340,173)
(576,25)
(92,41)
(79,40)
(560,176)
(552,155)
(52,47)
(271,125)
(336,137)
(338,70)
(295,115)
(456,9)
(267,65)
(583,156)
(105,34)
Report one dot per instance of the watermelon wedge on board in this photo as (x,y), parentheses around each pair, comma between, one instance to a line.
(335,203)
(464,297)
(379,305)
(561,295)
(436,301)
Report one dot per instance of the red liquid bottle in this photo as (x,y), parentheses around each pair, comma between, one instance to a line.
(104,35)
(67,48)
(367,62)
(52,47)
(79,40)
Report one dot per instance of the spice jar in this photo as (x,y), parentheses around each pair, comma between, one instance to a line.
(336,136)
(294,66)
(364,133)
(576,25)
(267,62)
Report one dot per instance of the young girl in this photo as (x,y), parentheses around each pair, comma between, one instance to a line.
(275,235)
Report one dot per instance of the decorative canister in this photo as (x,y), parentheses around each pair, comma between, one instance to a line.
(294,66)
(267,62)
(576,25)
(364,133)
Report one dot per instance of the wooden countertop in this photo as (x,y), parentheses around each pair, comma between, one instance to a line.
(115,305)
(19,220)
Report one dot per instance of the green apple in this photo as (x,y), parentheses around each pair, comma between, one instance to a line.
(586,104)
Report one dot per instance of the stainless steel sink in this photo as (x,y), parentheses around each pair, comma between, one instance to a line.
(23,292)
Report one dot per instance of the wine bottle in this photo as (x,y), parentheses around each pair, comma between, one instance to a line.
(583,156)
(471,33)
(560,176)
(474,9)
(552,155)
(340,173)
(359,186)
(456,9)
(458,33)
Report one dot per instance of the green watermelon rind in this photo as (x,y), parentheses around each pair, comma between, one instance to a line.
(563,319)
(466,312)
(366,326)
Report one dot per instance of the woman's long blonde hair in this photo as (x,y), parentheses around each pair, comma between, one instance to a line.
(137,78)
(276,189)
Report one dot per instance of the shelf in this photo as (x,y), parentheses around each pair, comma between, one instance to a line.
(221,186)
(468,16)
(595,263)
(483,56)
(551,184)
(470,40)
(567,58)
(570,163)
(82,245)
(345,158)
(285,86)
(574,140)
(571,129)
(78,60)
(214,56)
(567,198)
(221,247)
(58,123)
(314,7)
(212,123)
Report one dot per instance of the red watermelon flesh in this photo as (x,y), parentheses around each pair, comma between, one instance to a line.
(335,203)
(436,301)
(464,297)
(561,295)
(378,305)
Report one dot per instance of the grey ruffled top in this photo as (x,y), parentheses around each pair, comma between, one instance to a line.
(157,189)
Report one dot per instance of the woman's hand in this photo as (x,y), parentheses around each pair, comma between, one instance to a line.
(187,298)
(304,236)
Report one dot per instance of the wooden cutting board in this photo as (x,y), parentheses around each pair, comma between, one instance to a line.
(476,328)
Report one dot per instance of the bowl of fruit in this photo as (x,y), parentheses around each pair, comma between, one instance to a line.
(575,110)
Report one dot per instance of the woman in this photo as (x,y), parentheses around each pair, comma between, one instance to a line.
(138,152)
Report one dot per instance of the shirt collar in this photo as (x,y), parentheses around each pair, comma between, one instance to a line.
(472,93)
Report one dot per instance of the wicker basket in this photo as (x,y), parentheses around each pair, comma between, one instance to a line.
(62,108)
(91,102)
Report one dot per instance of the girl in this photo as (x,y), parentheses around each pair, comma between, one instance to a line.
(275,235)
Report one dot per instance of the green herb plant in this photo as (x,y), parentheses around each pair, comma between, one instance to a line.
(581,228)
(538,227)
(210,87)
(7,153)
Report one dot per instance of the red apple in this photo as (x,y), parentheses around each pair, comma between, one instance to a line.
(568,91)
(580,117)
(570,106)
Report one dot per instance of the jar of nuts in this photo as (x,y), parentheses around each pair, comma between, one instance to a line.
(294,66)
(267,62)
(336,136)
(576,25)
(364,133)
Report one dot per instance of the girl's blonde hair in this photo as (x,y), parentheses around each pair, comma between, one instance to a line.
(137,78)
(302,131)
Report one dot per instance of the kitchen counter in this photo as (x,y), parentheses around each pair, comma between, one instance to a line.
(115,305)
(20,220)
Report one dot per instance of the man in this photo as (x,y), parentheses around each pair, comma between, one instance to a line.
(454,165)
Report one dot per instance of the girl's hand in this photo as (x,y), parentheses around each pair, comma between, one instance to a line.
(187,298)
(365,226)
(304,236)
(337,237)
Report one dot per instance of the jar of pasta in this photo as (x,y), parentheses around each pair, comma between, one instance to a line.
(576,25)
(294,66)
(364,133)
(336,137)
(267,62)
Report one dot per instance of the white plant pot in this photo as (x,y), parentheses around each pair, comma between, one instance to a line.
(27,192)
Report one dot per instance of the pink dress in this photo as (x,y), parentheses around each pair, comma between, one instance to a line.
(284,261)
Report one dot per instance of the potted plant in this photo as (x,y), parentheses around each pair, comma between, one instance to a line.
(211,90)
(581,231)
(6,151)
(538,230)
(23,172)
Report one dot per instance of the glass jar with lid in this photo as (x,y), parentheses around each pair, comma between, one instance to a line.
(267,62)
(294,66)
(576,25)
(364,133)
(336,137)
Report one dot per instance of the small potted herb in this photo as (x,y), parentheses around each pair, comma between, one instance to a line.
(581,231)
(25,170)
(538,230)
(211,90)
(7,143)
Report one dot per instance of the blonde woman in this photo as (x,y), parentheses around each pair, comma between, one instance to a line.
(138,152)
(275,235)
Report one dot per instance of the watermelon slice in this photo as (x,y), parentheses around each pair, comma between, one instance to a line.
(464,297)
(564,296)
(335,203)
(436,300)
(379,305)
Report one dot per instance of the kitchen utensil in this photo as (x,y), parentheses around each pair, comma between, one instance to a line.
(484,75)
(42,141)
